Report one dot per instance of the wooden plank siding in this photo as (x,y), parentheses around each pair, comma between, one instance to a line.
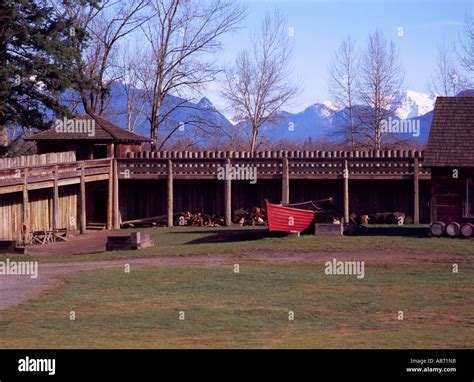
(449,193)
(40,211)
(38,159)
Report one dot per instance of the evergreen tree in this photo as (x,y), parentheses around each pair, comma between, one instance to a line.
(38,61)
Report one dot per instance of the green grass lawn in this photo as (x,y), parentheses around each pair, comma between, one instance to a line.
(250,309)
(185,241)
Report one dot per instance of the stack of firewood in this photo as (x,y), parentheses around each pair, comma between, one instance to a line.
(381,218)
(256,216)
(198,220)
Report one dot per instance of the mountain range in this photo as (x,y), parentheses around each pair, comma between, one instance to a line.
(317,121)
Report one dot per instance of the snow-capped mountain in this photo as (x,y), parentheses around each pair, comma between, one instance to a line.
(410,104)
(323,120)
(318,121)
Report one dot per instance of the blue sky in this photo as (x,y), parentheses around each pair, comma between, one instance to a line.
(320,25)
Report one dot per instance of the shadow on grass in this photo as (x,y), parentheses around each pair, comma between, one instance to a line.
(229,236)
(244,235)
(392,230)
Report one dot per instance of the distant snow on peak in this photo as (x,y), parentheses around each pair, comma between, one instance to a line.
(205,103)
(410,104)
(332,105)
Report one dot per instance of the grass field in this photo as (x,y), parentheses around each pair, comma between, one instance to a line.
(250,309)
(223,309)
(184,241)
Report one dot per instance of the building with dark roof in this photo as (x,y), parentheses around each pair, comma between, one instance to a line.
(450,155)
(90,136)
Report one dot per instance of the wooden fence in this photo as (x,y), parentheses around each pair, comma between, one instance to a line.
(41,159)
(45,195)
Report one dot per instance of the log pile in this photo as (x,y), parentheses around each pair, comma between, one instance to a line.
(381,218)
(198,220)
(256,216)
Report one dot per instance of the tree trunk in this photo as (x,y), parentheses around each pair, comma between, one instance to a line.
(253,145)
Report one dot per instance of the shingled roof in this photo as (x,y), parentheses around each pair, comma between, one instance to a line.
(104,130)
(451,140)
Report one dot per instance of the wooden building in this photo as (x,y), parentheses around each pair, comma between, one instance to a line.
(90,137)
(450,155)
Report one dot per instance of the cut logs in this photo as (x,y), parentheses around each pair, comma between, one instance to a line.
(437,229)
(198,220)
(257,216)
(453,229)
(467,230)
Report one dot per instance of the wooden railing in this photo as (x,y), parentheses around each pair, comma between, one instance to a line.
(45,174)
(394,164)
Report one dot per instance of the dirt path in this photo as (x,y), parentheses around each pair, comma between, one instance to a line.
(19,289)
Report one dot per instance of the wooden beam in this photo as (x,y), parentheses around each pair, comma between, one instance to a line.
(228,194)
(26,209)
(416,179)
(110,150)
(285,182)
(116,208)
(82,200)
(110,196)
(170,200)
(56,199)
(346,191)
(433,203)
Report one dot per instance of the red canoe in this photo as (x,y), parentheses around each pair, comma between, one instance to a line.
(294,217)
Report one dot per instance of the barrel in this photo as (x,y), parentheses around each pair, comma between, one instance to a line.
(467,230)
(453,229)
(437,229)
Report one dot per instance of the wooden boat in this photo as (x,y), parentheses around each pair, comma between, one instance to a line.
(296,217)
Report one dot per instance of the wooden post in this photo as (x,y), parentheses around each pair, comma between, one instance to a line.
(416,205)
(170,193)
(110,150)
(110,197)
(56,199)
(116,206)
(228,194)
(285,191)
(345,176)
(26,209)
(82,201)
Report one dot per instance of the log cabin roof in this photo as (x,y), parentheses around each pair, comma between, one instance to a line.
(104,130)
(451,139)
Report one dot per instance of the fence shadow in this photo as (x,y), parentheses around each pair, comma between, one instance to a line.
(229,236)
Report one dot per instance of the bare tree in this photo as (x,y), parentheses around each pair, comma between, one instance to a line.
(106,23)
(466,52)
(380,82)
(343,73)
(446,81)
(260,81)
(183,35)
(131,72)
